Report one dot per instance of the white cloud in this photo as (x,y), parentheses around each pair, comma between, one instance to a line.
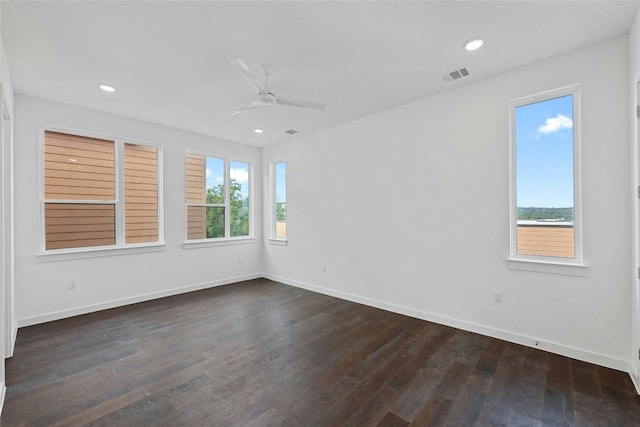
(209,173)
(240,175)
(554,124)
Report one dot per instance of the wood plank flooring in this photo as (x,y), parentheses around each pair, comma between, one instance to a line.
(261,353)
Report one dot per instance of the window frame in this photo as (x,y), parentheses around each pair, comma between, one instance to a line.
(227,239)
(273,238)
(559,265)
(120,245)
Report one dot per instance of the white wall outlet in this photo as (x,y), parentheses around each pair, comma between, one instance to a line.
(72,284)
(497,297)
(240,260)
(324,268)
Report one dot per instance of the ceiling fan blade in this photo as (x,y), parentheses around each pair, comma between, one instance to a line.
(248,76)
(245,109)
(301,103)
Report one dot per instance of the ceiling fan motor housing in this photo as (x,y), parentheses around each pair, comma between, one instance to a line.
(267,98)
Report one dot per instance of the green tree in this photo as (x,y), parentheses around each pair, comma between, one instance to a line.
(215,215)
(239,215)
(281,211)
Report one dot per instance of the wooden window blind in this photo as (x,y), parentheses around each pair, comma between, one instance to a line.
(79,170)
(79,225)
(196,193)
(546,241)
(141,193)
(86,193)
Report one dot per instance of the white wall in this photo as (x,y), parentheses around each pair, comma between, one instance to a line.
(11,324)
(41,281)
(408,209)
(634,67)
(7,323)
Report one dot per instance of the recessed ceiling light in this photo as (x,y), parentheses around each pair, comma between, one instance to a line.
(473,44)
(107,88)
(258,130)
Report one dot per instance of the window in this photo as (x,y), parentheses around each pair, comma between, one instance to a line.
(279,176)
(99,192)
(545,177)
(217,197)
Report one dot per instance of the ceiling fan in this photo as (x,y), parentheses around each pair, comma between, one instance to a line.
(265,96)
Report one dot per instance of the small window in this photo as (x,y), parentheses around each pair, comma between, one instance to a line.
(217,197)
(279,224)
(545,177)
(90,200)
(239,198)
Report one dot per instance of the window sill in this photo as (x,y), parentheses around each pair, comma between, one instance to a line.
(563,268)
(205,243)
(96,252)
(277,241)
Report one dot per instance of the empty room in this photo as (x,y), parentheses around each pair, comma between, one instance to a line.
(462,245)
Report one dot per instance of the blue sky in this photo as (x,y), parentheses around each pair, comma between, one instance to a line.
(237,170)
(544,153)
(281,181)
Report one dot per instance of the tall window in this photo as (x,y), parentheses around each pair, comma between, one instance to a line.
(99,192)
(545,177)
(279,171)
(217,196)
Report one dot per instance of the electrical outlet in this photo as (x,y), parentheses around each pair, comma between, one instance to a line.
(324,268)
(239,260)
(497,297)
(72,284)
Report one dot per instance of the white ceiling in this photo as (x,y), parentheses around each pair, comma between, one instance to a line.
(170,60)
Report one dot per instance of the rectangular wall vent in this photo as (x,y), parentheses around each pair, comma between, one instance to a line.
(291,131)
(456,74)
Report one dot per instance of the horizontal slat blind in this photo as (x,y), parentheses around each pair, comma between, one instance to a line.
(196,220)
(79,225)
(195,193)
(557,241)
(141,193)
(78,167)
(195,167)
(281,229)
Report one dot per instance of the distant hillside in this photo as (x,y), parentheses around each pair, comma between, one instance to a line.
(533,214)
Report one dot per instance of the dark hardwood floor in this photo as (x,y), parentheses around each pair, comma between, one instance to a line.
(262,353)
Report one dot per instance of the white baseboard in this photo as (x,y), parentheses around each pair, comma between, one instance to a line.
(561,349)
(636,381)
(12,344)
(29,321)
(557,348)
(3,393)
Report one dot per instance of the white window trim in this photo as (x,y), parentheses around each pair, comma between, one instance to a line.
(227,240)
(273,239)
(120,246)
(218,241)
(557,265)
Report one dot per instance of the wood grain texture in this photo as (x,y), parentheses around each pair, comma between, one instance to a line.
(79,225)
(196,191)
(65,156)
(140,193)
(546,241)
(262,353)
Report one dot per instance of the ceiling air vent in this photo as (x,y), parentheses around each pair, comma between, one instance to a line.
(455,75)
(291,131)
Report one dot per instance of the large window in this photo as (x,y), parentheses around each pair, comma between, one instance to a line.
(545,177)
(279,212)
(217,197)
(99,192)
